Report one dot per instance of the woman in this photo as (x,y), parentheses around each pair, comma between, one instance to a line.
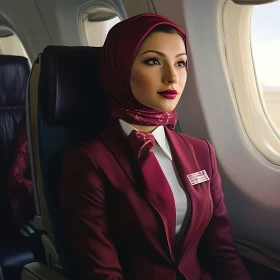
(142,201)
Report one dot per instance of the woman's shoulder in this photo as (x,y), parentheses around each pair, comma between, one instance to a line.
(202,150)
(197,143)
(85,149)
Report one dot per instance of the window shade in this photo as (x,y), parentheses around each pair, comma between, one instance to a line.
(252,2)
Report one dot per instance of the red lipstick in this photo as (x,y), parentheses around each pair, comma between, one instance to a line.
(170,93)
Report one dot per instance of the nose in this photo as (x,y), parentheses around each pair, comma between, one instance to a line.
(170,76)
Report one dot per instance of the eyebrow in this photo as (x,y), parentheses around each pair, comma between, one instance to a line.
(162,54)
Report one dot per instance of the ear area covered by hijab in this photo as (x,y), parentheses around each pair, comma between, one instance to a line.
(117,57)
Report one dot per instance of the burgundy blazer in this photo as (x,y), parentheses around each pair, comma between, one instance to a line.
(114,229)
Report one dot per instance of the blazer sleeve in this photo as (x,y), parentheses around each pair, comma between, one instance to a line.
(83,208)
(217,246)
(21,190)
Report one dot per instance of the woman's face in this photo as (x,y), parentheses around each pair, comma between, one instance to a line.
(160,65)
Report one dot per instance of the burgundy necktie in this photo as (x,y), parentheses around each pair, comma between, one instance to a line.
(142,144)
(156,187)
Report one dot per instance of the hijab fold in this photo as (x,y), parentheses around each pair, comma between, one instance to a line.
(117,57)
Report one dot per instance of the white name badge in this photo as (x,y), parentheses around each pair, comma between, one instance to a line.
(198,177)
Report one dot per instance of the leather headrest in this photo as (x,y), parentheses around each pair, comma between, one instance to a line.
(14,72)
(69,86)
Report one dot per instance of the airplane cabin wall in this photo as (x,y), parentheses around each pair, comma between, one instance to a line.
(207,108)
(23,19)
(62,18)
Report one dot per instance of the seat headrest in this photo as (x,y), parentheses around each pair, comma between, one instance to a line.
(14,72)
(69,86)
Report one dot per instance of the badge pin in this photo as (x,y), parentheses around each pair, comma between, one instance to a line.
(198,177)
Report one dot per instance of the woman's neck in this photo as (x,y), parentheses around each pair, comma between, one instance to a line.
(144,128)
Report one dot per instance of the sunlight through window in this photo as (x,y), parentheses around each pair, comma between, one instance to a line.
(265,38)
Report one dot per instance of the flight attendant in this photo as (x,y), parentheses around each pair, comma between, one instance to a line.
(142,201)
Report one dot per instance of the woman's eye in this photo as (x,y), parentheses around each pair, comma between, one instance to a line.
(152,61)
(181,64)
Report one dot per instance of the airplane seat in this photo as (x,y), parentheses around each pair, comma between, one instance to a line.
(66,106)
(14,248)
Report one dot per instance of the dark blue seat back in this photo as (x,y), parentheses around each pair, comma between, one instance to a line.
(15,250)
(14,72)
(71,108)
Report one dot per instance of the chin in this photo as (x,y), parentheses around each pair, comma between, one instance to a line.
(167,109)
(168,106)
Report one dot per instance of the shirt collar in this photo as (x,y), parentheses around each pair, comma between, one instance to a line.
(158,133)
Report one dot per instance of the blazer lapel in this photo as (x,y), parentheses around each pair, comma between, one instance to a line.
(185,161)
(117,142)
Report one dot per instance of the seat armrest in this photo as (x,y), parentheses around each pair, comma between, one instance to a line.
(32,227)
(38,271)
(258,255)
(27,229)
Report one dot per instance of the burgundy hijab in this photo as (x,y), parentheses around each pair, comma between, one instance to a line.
(117,56)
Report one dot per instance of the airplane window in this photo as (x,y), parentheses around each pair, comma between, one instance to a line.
(265,40)
(97,24)
(10,44)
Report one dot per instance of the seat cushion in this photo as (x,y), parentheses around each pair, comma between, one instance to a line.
(14,254)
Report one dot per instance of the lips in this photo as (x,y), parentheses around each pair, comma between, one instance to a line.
(169,94)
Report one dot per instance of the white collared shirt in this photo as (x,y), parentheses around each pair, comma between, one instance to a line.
(164,157)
